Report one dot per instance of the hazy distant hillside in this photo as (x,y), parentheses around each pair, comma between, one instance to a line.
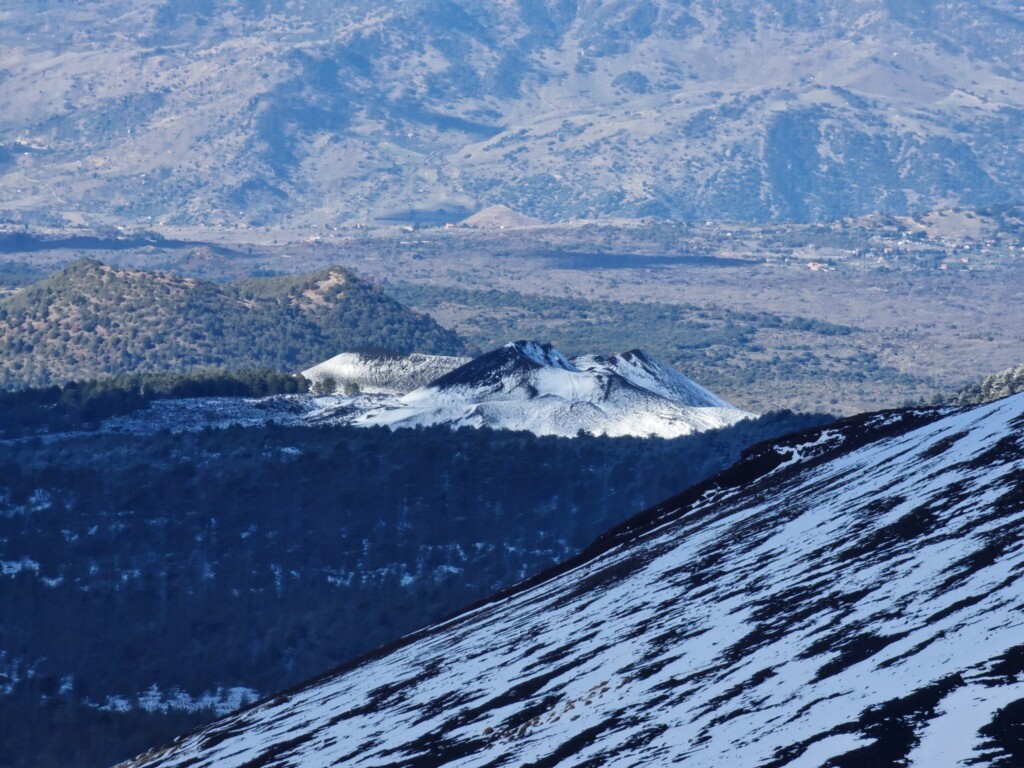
(92,319)
(215,112)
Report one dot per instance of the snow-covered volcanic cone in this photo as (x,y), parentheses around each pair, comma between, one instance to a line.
(529,386)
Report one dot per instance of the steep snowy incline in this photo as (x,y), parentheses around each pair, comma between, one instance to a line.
(846,598)
(644,371)
(525,385)
(510,370)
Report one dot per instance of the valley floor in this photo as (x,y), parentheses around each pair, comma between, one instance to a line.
(880,321)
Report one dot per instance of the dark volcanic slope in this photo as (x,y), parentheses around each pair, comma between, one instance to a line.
(849,598)
(92,319)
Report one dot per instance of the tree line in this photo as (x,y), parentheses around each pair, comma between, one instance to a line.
(84,404)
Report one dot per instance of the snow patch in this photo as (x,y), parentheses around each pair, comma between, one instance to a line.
(221,700)
(379,374)
(14,567)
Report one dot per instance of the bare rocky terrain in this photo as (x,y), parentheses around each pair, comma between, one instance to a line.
(295,112)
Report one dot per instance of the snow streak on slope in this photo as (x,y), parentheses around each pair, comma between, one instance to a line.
(382,373)
(847,598)
(529,386)
(642,370)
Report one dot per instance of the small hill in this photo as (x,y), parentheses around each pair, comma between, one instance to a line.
(92,319)
(500,217)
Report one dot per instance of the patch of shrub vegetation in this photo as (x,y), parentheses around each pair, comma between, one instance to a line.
(994,387)
(91,320)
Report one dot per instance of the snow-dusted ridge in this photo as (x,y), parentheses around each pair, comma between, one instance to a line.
(381,373)
(644,371)
(847,597)
(523,385)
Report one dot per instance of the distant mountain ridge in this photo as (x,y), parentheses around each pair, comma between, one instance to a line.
(846,597)
(423,111)
(91,320)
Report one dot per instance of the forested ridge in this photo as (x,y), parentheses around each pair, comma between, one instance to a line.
(91,319)
(258,557)
(83,405)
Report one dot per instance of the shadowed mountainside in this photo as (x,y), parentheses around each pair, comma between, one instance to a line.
(845,597)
